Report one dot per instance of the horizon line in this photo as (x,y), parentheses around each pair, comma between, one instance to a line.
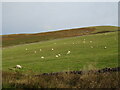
(51,30)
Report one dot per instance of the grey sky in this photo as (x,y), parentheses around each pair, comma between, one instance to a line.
(33,17)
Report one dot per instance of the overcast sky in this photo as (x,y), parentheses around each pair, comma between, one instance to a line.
(33,17)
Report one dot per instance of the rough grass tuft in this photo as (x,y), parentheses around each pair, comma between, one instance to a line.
(88,80)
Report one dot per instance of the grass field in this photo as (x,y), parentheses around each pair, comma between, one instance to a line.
(89,48)
(84,54)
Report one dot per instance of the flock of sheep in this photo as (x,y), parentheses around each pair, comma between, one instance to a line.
(68,52)
(57,55)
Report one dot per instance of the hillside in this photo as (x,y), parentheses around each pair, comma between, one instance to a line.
(62,59)
(87,52)
(16,39)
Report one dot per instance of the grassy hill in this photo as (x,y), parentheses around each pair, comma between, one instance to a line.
(87,52)
(16,39)
(96,49)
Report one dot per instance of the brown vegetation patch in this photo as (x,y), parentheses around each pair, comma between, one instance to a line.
(63,80)
(16,39)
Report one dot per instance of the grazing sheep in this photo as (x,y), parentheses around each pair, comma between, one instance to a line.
(52,49)
(83,41)
(56,56)
(40,49)
(26,49)
(18,66)
(90,41)
(34,51)
(73,43)
(59,55)
(68,52)
(54,43)
(42,57)
(105,47)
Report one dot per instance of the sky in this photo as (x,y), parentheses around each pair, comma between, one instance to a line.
(36,17)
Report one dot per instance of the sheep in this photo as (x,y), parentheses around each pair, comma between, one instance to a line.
(40,49)
(52,49)
(26,49)
(18,66)
(54,43)
(34,51)
(59,54)
(90,41)
(105,47)
(73,43)
(83,41)
(42,57)
(56,56)
(68,52)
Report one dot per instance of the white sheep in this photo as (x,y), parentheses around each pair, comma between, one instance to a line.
(54,43)
(40,49)
(52,49)
(26,49)
(18,66)
(83,41)
(42,57)
(68,52)
(34,51)
(105,47)
(90,41)
(59,54)
(56,56)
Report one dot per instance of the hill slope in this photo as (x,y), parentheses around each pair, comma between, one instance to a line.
(97,50)
(16,39)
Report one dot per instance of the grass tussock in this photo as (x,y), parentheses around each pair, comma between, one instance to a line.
(88,80)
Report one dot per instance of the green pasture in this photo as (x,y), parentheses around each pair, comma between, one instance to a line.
(87,52)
